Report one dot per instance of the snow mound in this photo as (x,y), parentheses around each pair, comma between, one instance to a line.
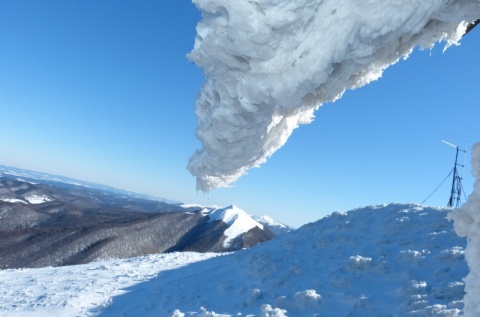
(269,64)
(238,222)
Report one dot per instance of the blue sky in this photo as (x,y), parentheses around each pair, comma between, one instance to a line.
(101,91)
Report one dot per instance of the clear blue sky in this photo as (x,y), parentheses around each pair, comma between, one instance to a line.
(101,91)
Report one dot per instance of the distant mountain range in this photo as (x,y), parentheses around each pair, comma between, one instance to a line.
(57,180)
(50,220)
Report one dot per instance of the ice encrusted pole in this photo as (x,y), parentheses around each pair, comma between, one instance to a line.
(466,221)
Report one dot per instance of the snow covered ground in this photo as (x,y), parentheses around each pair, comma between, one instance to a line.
(387,260)
(81,290)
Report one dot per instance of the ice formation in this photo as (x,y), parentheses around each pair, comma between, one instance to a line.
(269,64)
(467,224)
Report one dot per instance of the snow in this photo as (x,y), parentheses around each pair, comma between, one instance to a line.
(467,224)
(238,222)
(13,200)
(191,207)
(269,64)
(268,220)
(81,290)
(275,227)
(385,260)
(37,199)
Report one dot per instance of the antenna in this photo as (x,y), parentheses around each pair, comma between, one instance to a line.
(448,143)
(456,192)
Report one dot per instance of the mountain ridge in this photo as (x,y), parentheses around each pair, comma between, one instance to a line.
(44,222)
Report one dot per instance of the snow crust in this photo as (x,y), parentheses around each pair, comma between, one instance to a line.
(269,64)
(238,222)
(467,224)
(387,260)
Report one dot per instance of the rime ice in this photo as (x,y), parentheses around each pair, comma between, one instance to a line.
(269,64)
(467,224)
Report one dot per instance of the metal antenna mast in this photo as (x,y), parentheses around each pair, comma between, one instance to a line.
(455,194)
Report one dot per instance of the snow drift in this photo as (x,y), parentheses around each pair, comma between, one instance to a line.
(268,64)
(467,224)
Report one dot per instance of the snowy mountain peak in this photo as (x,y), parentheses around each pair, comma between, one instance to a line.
(227,214)
(239,221)
(275,227)
(268,220)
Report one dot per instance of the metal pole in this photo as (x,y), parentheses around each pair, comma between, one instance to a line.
(452,193)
